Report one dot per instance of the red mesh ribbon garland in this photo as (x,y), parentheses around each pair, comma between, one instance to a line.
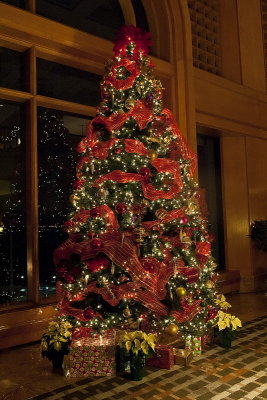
(113,294)
(64,251)
(140,112)
(89,141)
(122,84)
(109,216)
(135,146)
(123,252)
(118,176)
(188,313)
(190,273)
(120,248)
(168,217)
(203,248)
(179,146)
(83,145)
(150,192)
(104,211)
(164,165)
(100,150)
(81,216)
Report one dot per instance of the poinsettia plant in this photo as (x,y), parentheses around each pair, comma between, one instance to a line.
(226,323)
(138,343)
(56,338)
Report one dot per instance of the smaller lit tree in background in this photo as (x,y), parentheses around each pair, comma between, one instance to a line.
(56,173)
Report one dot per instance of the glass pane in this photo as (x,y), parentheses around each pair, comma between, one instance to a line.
(17,3)
(101,18)
(209,172)
(13,277)
(12,72)
(140,15)
(66,83)
(58,135)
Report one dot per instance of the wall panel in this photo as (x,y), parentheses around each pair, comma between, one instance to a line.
(256,151)
(235,203)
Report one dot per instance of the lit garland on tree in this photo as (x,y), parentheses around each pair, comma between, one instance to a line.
(139,251)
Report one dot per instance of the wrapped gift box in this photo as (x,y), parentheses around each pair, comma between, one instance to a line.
(193,343)
(208,339)
(92,355)
(182,356)
(163,358)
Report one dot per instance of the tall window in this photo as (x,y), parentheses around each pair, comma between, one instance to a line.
(209,171)
(101,18)
(13,263)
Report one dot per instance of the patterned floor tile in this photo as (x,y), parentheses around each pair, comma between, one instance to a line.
(238,373)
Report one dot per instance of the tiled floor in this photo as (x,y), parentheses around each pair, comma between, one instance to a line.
(239,373)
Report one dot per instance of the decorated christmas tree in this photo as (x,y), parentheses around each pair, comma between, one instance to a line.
(139,252)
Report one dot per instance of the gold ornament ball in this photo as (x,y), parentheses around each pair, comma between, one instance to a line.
(180,291)
(73,198)
(129,103)
(209,284)
(152,154)
(126,312)
(172,329)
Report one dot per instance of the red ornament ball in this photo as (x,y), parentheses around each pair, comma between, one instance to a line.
(212,313)
(88,313)
(97,263)
(96,243)
(117,150)
(184,220)
(95,212)
(150,264)
(69,278)
(121,208)
(144,171)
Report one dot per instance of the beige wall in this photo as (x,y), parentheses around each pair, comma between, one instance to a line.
(235,105)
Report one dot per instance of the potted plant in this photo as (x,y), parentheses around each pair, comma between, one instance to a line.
(138,345)
(55,342)
(225,324)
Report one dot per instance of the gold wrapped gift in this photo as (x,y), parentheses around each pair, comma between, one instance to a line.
(182,356)
(170,340)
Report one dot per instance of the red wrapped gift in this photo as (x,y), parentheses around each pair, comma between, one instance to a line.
(164,357)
